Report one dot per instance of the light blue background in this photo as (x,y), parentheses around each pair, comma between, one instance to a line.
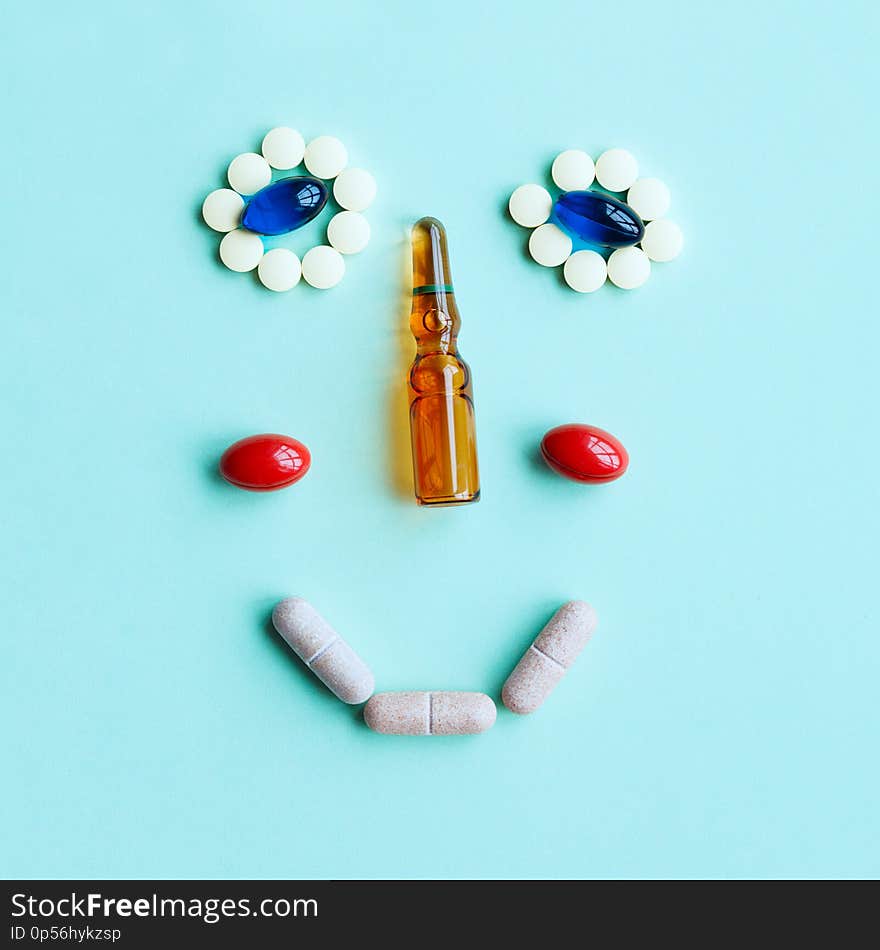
(724,721)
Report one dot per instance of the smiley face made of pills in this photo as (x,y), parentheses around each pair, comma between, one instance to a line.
(570,230)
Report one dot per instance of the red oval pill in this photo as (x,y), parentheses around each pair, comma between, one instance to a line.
(584,453)
(265,462)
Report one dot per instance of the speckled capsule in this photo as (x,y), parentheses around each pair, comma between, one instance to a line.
(546,661)
(430,714)
(323,651)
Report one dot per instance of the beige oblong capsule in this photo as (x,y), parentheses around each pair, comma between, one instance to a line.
(430,713)
(546,661)
(323,651)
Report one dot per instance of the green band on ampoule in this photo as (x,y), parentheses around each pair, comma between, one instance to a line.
(433,289)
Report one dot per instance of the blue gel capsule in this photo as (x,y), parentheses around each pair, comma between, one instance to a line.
(285,205)
(598,219)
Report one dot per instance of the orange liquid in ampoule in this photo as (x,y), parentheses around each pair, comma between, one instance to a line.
(441,404)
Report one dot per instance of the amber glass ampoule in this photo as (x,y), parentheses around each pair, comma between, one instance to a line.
(441,404)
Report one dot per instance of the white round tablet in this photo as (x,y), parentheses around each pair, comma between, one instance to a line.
(530,205)
(241,250)
(354,189)
(573,170)
(279,269)
(649,198)
(663,240)
(628,268)
(616,169)
(248,173)
(222,209)
(549,245)
(323,267)
(348,232)
(585,271)
(283,148)
(325,156)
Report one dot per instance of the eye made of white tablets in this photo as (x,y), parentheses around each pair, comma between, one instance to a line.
(269,197)
(603,223)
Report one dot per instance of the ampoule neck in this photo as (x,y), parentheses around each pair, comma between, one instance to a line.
(434,322)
